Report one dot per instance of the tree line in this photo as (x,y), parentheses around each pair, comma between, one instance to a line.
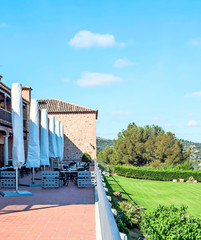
(140,146)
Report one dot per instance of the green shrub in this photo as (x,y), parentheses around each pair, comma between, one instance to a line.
(103,166)
(166,223)
(122,226)
(181,166)
(185,166)
(86,157)
(156,174)
(132,212)
(156,164)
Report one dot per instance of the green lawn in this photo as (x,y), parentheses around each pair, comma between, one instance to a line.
(149,194)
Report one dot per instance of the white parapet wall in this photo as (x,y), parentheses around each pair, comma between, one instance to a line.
(106,227)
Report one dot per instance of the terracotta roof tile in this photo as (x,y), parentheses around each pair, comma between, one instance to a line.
(58,106)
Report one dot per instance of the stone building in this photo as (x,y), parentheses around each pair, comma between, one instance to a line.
(79,127)
(6,138)
(79,124)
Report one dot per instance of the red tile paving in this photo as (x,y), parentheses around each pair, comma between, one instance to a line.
(60,214)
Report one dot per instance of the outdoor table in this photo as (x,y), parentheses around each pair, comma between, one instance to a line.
(6,168)
(69,176)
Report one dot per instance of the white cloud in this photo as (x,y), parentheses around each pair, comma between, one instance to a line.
(121,113)
(196,42)
(90,79)
(195,94)
(156,119)
(2,25)
(121,62)
(66,80)
(193,123)
(86,39)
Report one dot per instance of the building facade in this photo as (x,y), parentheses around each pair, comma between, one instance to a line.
(79,127)
(6,132)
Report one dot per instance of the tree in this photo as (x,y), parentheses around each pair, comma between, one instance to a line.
(105,154)
(140,146)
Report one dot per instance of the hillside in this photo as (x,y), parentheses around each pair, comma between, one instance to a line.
(195,156)
(101,143)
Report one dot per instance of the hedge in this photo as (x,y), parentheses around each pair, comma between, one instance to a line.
(156,174)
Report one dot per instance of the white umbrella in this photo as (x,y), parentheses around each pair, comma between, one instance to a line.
(62,141)
(57,131)
(52,139)
(18,138)
(44,139)
(17,125)
(33,156)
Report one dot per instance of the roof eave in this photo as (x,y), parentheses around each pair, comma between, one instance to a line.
(75,112)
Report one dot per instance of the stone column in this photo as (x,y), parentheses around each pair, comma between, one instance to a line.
(6,150)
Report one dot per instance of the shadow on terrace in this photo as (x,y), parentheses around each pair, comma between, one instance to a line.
(67,212)
(54,197)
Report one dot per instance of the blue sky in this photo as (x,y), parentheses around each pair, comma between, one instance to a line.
(134,61)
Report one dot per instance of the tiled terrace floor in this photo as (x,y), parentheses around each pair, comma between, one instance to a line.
(64,213)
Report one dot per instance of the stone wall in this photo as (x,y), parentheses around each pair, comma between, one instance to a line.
(79,134)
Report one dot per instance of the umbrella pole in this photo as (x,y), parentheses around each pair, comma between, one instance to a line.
(52,164)
(16,192)
(44,168)
(33,178)
(16,180)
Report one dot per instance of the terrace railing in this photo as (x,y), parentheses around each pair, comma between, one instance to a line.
(107,225)
(5,115)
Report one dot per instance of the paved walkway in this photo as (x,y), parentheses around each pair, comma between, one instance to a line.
(64,213)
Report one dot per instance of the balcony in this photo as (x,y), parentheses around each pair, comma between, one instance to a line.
(6,118)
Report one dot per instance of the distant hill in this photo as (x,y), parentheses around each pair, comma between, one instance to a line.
(101,143)
(195,156)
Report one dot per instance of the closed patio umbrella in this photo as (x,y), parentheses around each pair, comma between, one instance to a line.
(62,141)
(18,138)
(17,124)
(52,140)
(33,156)
(44,139)
(57,131)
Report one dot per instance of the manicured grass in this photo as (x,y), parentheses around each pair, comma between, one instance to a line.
(149,194)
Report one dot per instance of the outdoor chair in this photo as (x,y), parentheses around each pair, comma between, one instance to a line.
(69,177)
(80,168)
(61,176)
(8,179)
(50,179)
(65,167)
(87,166)
(72,164)
(86,179)
(23,172)
(84,165)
